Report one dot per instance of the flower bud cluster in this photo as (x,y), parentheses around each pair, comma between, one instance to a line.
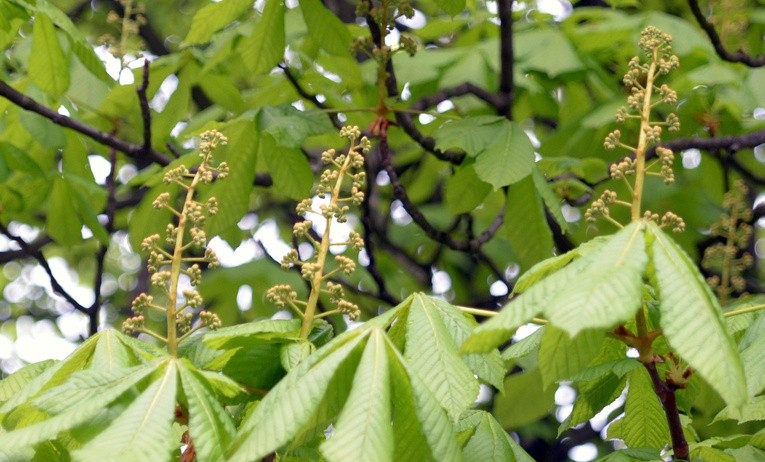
(341,182)
(728,260)
(601,206)
(186,234)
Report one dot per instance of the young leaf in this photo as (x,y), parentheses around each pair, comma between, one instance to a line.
(263,50)
(292,404)
(433,354)
(525,400)
(213,17)
(363,430)
(143,431)
(325,28)
(210,426)
(561,356)
(63,224)
(81,398)
(508,159)
(644,423)
(490,442)
(48,67)
(594,395)
(10,385)
(526,217)
(691,319)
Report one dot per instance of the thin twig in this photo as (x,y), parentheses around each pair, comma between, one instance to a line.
(143,101)
(739,56)
(506,58)
(38,255)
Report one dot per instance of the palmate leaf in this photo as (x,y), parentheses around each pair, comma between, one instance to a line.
(263,50)
(599,289)
(644,423)
(143,431)
(691,318)
(293,402)
(12,384)
(431,351)
(561,356)
(48,66)
(213,17)
(363,430)
(210,426)
(101,390)
(325,28)
(753,410)
(490,442)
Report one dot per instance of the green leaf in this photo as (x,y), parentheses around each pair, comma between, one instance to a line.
(644,423)
(471,134)
(258,331)
(292,354)
(289,168)
(143,431)
(62,223)
(525,346)
(363,430)
(546,50)
(431,352)
(490,442)
(561,356)
(691,319)
(753,356)
(754,409)
(292,404)
(465,191)
(421,427)
(79,399)
(593,397)
(289,126)
(214,17)
(264,48)
(508,159)
(551,199)
(525,400)
(452,7)
(48,66)
(325,28)
(210,426)
(525,217)
(10,385)
(233,193)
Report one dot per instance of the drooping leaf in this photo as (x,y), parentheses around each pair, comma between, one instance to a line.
(263,49)
(63,224)
(525,216)
(143,431)
(508,159)
(524,346)
(754,409)
(244,334)
(644,423)
(561,356)
(210,426)
(490,442)
(10,385)
(431,352)
(78,400)
(325,28)
(691,319)
(213,17)
(48,66)
(525,400)
(290,127)
(291,404)
(289,168)
(363,429)
(465,191)
(594,395)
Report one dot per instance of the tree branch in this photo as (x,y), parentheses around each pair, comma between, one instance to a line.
(37,254)
(506,58)
(143,101)
(739,56)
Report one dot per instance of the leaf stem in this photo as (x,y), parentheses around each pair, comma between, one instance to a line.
(748,309)
(645,125)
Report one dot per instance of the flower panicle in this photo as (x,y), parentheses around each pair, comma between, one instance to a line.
(341,185)
(177,253)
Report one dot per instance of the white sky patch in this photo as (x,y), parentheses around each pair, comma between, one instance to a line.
(399,215)
(444,106)
(268,236)
(758,113)
(165,91)
(382,178)
(512,271)
(406,93)
(571,214)
(426,118)
(415,22)
(559,9)
(564,395)
(100,168)
(524,331)
(247,251)
(441,282)
(498,289)
(392,38)
(759,153)
(583,453)
(37,341)
(691,158)
(244,297)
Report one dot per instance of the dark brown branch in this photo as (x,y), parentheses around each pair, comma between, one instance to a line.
(143,101)
(506,58)
(739,56)
(37,254)
(470,245)
(666,394)
(35,246)
(310,97)
(464,89)
(131,150)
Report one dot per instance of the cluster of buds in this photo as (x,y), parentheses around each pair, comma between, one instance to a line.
(342,182)
(726,259)
(385,15)
(644,95)
(165,266)
(129,23)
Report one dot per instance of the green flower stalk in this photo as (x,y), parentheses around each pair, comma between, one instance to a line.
(166,267)
(726,259)
(645,94)
(342,182)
